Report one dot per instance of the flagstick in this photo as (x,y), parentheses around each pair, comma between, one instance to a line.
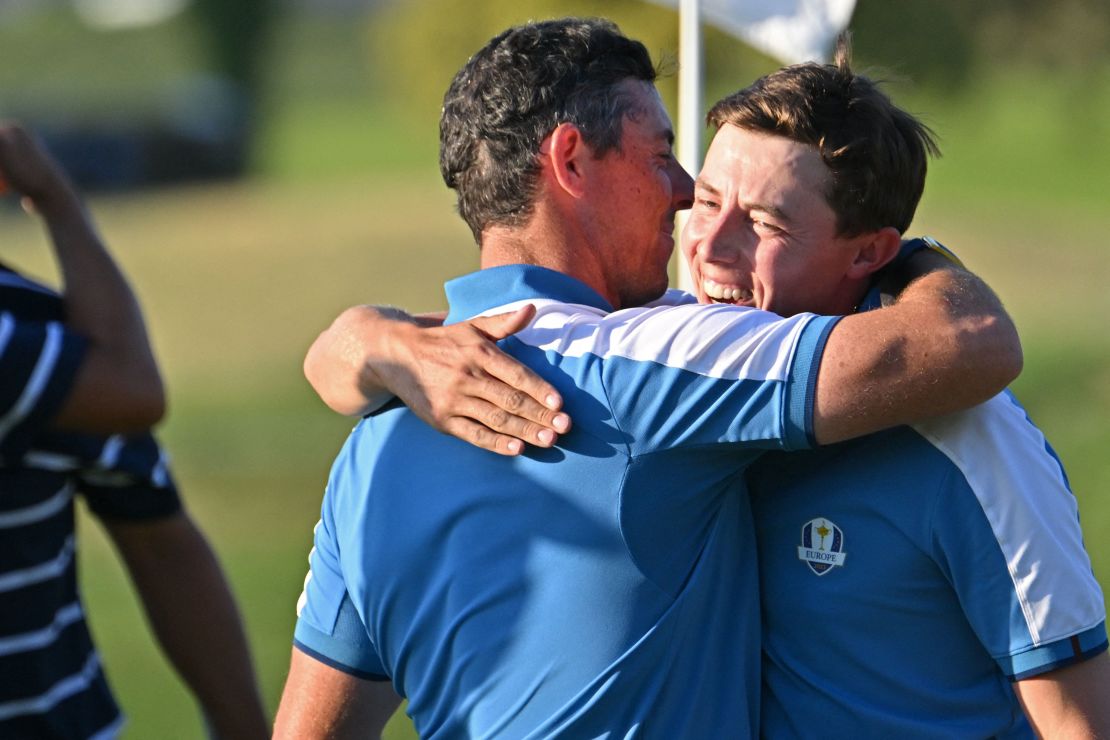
(689,107)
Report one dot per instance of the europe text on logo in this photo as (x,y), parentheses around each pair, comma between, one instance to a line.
(822,546)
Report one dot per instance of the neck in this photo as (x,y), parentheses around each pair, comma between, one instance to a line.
(550,240)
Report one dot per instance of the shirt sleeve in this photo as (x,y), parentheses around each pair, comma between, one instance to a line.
(1011,542)
(329,627)
(693,375)
(38,364)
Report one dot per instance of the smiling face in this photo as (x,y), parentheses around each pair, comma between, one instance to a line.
(761,232)
(634,199)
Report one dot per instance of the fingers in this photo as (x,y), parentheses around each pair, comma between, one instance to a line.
(480,436)
(504,325)
(516,407)
(515,424)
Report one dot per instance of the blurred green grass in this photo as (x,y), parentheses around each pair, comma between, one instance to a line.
(237,278)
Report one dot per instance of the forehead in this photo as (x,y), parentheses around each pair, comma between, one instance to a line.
(648,117)
(754,162)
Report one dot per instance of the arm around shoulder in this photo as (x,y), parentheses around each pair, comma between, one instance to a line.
(454,378)
(945,345)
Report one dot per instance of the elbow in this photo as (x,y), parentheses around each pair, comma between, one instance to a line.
(1008,357)
(148,404)
(318,373)
(994,351)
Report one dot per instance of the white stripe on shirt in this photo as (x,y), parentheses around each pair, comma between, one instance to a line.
(40,511)
(1032,513)
(52,568)
(40,638)
(53,462)
(109,453)
(716,341)
(69,686)
(110,731)
(40,376)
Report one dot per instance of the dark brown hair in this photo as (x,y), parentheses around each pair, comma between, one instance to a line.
(876,152)
(514,92)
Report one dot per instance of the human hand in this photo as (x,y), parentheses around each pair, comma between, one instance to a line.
(457,380)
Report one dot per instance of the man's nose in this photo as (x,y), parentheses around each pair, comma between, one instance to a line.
(723,241)
(682,187)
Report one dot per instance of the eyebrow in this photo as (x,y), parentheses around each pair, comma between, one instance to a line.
(775,211)
(700,183)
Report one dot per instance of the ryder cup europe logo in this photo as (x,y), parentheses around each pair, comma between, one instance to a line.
(822,546)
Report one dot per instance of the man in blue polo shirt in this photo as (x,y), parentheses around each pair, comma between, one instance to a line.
(603,586)
(927,581)
(78,388)
(918,582)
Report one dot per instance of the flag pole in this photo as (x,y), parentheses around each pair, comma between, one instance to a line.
(689,107)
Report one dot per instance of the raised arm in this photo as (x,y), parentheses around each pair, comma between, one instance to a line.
(453,377)
(946,344)
(117,387)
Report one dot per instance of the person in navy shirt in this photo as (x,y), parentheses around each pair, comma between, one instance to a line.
(79,388)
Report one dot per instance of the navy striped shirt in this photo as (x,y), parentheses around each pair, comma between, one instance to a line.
(51,681)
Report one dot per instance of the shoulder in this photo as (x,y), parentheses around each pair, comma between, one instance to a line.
(715,340)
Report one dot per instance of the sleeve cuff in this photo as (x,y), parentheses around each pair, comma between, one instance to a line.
(1058,654)
(803,382)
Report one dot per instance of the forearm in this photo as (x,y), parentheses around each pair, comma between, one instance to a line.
(946,344)
(100,304)
(193,614)
(340,364)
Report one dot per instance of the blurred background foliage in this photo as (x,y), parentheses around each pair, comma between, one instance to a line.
(274,161)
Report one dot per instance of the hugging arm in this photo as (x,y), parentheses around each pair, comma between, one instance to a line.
(453,377)
(945,344)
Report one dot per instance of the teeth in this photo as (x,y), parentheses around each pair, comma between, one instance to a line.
(719,292)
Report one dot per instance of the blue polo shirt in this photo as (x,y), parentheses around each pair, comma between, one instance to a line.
(606,587)
(909,577)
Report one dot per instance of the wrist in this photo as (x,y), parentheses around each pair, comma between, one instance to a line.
(384,336)
(58,201)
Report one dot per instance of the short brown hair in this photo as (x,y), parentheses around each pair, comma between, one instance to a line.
(876,152)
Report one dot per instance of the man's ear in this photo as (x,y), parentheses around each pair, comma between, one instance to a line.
(876,249)
(567,153)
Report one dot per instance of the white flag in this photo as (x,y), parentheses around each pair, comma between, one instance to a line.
(790,30)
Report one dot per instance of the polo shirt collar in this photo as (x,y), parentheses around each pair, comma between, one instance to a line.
(476,293)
